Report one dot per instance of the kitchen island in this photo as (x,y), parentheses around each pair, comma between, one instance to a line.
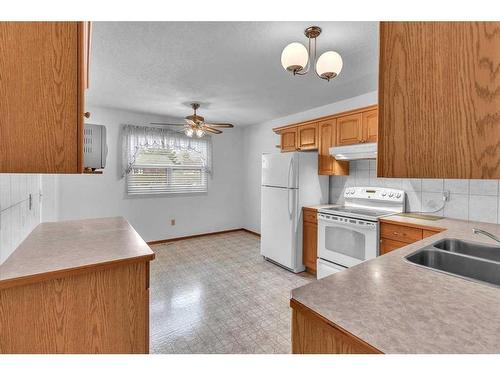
(77,287)
(389,305)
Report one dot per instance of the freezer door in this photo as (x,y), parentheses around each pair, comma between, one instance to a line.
(278,226)
(280,170)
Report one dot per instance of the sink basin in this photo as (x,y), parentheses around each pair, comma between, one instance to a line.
(452,263)
(469,248)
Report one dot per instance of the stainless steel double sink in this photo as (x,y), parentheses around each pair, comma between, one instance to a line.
(470,260)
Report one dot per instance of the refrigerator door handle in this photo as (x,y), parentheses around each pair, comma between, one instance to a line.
(288,187)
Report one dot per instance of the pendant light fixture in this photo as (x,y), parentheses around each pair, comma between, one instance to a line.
(296,59)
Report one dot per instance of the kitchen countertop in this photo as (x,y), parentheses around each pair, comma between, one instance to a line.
(320,206)
(55,249)
(399,307)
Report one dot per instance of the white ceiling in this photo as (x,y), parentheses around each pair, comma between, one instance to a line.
(232,68)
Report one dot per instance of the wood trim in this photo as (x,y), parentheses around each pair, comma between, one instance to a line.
(328,117)
(413,225)
(251,232)
(31,279)
(81,83)
(310,314)
(175,239)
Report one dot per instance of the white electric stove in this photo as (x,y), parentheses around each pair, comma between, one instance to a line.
(349,234)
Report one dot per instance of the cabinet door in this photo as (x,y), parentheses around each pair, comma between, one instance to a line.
(41,97)
(327,135)
(289,140)
(388,245)
(370,126)
(308,137)
(349,129)
(439,101)
(327,165)
(309,245)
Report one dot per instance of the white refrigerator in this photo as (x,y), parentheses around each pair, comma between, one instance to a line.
(289,181)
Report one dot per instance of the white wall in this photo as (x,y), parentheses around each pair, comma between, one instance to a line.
(260,138)
(17,220)
(86,196)
(476,200)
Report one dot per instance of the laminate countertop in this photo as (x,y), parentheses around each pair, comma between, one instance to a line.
(399,307)
(55,249)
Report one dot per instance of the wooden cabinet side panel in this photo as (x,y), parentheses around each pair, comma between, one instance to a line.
(438,100)
(310,245)
(312,335)
(97,312)
(39,97)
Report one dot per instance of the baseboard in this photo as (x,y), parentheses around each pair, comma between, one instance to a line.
(158,242)
(251,232)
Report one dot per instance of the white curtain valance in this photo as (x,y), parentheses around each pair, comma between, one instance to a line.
(137,138)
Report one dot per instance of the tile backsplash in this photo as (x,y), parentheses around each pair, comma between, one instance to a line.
(469,199)
(16,219)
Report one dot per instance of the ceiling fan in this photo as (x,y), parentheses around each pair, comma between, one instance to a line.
(196,126)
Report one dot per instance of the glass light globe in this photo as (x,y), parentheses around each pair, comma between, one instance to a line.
(189,132)
(200,133)
(329,65)
(294,57)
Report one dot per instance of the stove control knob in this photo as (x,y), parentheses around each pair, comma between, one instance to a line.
(391,195)
(384,193)
(398,195)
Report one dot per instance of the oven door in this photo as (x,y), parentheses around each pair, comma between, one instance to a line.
(346,241)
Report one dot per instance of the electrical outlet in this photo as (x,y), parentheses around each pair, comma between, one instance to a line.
(172,222)
(446,196)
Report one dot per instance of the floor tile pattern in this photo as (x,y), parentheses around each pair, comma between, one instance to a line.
(216,294)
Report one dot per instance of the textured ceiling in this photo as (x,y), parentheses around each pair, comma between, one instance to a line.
(232,68)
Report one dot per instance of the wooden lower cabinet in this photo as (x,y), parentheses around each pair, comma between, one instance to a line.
(394,235)
(105,310)
(310,239)
(313,334)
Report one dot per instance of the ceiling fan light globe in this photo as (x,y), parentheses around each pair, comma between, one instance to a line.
(199,133)
(294,57)
(329,65)
(189,132)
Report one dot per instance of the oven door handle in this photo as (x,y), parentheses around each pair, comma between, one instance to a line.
(343,224)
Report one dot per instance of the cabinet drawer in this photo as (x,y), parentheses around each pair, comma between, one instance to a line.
(310,215)
(387,245)
(400,233)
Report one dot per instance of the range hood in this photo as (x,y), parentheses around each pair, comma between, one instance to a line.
(355,152)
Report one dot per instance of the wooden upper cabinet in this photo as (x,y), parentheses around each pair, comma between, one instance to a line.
(289,140)
(439,100)
(349,129)
(327,165)
(370,126)
(308,136)
(42,85)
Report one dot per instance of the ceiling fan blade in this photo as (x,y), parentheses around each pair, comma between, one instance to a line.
(210,130)
(219,125)
(166,123)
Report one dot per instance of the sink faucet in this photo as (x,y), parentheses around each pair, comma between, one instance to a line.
(487,234)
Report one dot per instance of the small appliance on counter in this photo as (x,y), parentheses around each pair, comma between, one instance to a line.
(289,181)
(349,234)
(95,149)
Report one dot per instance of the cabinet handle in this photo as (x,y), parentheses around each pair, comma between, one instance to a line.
(86,115)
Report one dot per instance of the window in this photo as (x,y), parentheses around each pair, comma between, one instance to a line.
(165,162)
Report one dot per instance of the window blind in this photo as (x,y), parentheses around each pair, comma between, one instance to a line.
(167,170)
